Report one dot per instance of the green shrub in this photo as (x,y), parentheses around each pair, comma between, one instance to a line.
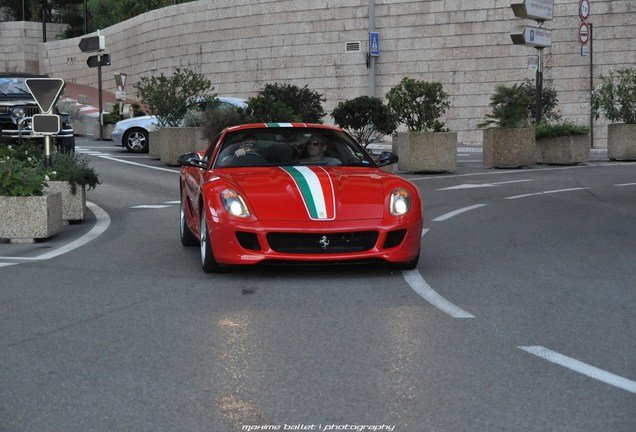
(615,96)
(366,118)
(509,107)
(549,101)
(21,174)
(74,168)
(546,129)
(169,98)
(418,104)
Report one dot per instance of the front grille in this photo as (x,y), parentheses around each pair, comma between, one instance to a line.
(328,243)
(30,111)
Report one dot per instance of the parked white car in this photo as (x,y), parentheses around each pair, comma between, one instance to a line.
(134,133)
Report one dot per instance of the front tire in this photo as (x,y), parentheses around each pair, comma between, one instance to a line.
(136,140)
(208,263)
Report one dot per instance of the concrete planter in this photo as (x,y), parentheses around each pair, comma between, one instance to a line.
(25,219)
(73,204)
(176,141)
(154,144)
(621,141)
(509,147)
(565,150)
(427,151)
(107,131)
(79,127)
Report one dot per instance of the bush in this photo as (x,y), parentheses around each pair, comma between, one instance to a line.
(215,120)
(509,107)
(305,104)
(545,129)
(549,101)
(365,118)
(21,174)
(418,104)
(615,96)
(169,98)
(73,168)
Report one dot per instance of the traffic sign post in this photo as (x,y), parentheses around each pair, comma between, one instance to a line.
(538,37)
(46,92)
(97,44)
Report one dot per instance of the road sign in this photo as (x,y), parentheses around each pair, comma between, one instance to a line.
(46,124)
(104,60)
(584,9)
(584,33)
(120,79)
(93,44)
(539,10)
(374,44)
(538,37)
(45,91)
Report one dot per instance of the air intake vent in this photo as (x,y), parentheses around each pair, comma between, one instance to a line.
(352,46)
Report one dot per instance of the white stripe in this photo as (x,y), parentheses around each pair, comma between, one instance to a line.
(583,368)
(150,206)
(141,165)
(544,193)
(315,189)
(419,285)
(456,212)
(626,184)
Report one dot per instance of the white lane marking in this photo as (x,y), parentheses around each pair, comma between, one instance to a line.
(456,212)
(172,202)
(582,368)
(419,285)
(625,184)
(482,185)
(150,206)
(141,165)
(425,230)
(545,193)
(101,224)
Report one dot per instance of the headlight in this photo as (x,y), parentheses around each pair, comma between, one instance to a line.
(400,202)
(234,204)
(18,113)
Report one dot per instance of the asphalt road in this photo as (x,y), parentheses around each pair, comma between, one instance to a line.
(520,317)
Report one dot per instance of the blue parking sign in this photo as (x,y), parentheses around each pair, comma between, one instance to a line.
(374,44)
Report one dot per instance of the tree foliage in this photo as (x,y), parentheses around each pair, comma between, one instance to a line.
(615,96)
(509,107)
(366,118)
(418,104)
(169,98)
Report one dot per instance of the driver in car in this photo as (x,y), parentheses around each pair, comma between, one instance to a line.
(249,144)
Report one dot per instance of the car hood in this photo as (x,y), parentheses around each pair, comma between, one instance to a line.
(302,193)
(145,121)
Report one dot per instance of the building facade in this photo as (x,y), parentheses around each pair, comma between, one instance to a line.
(324,44)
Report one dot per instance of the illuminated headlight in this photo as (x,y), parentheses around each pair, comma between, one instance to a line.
(18,113)
(400,202)
(234,204)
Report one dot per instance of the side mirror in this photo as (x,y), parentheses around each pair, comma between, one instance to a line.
(192,159)
(386,158)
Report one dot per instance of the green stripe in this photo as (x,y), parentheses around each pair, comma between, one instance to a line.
(304,190)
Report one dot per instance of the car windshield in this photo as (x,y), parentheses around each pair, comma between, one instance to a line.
(13,87)
(289,146)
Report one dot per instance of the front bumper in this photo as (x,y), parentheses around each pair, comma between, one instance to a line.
(24,131)
(235,243)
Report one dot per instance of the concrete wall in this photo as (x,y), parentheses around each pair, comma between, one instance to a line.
(463,44)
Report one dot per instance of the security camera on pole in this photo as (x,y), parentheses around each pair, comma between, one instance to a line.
(538,37)
(97,44)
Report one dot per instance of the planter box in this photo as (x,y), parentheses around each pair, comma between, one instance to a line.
(79,127)
(176,141)
(509,148)
(621,141)
(154,144)
(73,204)
(565,150)
(107,131)
(25,219)
(427,151)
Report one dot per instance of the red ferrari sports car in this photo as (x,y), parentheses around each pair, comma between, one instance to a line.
(296,193)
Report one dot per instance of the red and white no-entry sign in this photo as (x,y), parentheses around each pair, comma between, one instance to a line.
(584,33)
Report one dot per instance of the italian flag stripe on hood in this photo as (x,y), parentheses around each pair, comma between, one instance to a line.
(316,188)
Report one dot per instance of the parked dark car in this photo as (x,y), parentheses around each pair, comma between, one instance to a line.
(17,107)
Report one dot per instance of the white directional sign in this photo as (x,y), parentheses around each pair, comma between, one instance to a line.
(532,36)
(540,10)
